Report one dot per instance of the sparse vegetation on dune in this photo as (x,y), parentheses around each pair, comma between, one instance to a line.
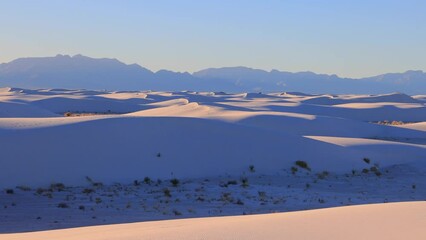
(302,164)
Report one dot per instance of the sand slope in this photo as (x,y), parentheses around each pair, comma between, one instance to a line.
(377,221)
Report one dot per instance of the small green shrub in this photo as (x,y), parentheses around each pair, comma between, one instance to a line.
(366,160)
(177,213)
(57,187)
(239,202)
(232,182)
(174,182)
(63,205)
(147,180)
(166,192)
(40,191)
(302,164)
(10,191)
(226,197)
(323,175)
(244,182)
(95,184)
(136,183)
(87,190)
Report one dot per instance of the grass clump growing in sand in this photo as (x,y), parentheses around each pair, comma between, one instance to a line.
(147,180)
(366,160)
(175,182)
(166,192)
(10,191)
(302,164)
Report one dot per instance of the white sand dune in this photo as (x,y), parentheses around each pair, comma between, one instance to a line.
(214,133)
(118,149)
(212,142)
(421,126)
(377,221)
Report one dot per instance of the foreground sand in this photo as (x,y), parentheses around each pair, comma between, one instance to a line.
(405,220)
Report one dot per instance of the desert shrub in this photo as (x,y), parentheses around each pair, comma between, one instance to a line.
(322,174)
(67,114)
(251,168)
(98,200)
(87,190)
(40,191)
(293,170)
(63,205)
(174,182)
(244,182)
(136,183)
(158,155)
(232,182)
(302,164)
(81,207)
(147,180)
(57,187)
(262,195)
(166,192)
(375,170)
(365,170)
(200,199)
(366,160)
(10,191)
(95,184)
(413,186)
(176,212)
(239,202)
(226,197)
(98,184)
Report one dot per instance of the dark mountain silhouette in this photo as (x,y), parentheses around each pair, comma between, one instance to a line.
(63,71)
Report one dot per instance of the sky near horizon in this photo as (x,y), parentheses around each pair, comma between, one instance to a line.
(349,38)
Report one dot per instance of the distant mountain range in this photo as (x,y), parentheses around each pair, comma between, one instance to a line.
(63,71)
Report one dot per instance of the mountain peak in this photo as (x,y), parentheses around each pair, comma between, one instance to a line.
(79,71)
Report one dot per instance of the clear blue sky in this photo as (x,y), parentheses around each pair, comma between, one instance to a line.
(350,38)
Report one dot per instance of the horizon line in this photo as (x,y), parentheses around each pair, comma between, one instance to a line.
(216,67)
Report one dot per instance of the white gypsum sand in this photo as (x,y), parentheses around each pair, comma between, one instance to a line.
(376,221)
(73,158)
